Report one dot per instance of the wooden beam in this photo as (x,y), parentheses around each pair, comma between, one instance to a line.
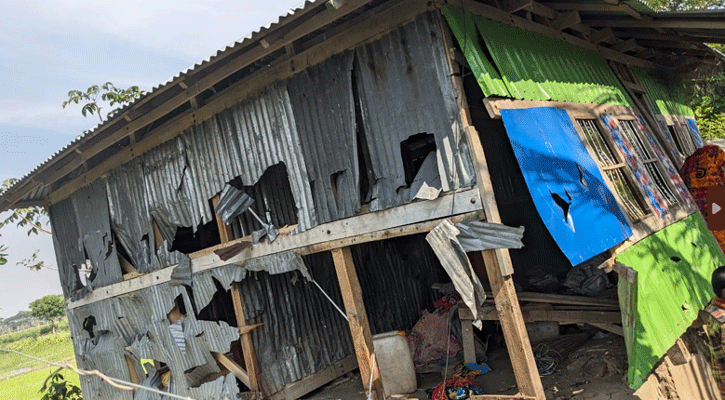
(396,222)
(225,231)
(615,329)
(561,316)
(566,20)
(625,45)
(132,373)
(358,320)
(593,7)
(602,35)
(233,367)
(516,5)
(296,390)
(659,24)
(250,356)
(563,299)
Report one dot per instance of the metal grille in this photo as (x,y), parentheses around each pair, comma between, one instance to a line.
(651,164)
(613,168)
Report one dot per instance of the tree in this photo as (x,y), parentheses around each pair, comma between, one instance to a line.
(25,217)
(48,308)
(107,92)
(681,5)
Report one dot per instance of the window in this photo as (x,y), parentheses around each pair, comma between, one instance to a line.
(683,143)
(649,160)
(614,168)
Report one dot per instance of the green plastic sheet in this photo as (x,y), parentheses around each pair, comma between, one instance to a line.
(665,99)
(532,66)
(463,25)
(673,267)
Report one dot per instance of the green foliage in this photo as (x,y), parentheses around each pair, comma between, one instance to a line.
(36,341)
(48,308)
(56,387)
(25,386)
(106,92)
(707,100)
(680,5)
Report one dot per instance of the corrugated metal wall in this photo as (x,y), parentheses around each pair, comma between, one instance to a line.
(302,331)
(664,99)
(404,89)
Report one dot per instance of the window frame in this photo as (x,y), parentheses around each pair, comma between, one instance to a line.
(640,227)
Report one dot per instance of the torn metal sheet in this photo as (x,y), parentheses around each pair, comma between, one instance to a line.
(91,209)
(224,387)
(565,183)
(427,183)
(324,110)
(278,263)
(264,127)
(231,251)
(67,244)
(479,236)
(130,216)
(443,239)
(181,274)
(138,324)
(203,282)
(419,70)
(232,202)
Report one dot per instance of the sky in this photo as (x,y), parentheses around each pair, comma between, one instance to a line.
(50,47)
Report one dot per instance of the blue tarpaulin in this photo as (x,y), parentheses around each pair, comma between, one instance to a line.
(565,183)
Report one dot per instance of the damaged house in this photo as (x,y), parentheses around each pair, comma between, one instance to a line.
(228,216)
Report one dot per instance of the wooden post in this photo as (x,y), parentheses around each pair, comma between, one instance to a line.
(250,361)
(498,262)
(358,319)
(225,231)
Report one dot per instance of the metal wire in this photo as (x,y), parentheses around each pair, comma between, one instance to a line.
(115,382)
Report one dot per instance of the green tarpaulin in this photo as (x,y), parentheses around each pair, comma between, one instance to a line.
(673,268)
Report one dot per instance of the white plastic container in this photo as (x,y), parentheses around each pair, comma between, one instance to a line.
(395,363)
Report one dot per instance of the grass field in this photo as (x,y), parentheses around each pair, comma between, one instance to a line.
(22,378)
(27,386)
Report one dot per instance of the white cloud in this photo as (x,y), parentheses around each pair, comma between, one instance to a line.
(29,114)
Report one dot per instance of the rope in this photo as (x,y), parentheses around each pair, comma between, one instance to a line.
(115,382)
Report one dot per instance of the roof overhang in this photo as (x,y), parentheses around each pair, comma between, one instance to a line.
(621,30)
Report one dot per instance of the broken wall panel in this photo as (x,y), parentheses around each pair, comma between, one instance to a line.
(130,217)
(67,244)
(265,128)
(90,205)
(303,333)
(138,325)
(386,85)
(324,110)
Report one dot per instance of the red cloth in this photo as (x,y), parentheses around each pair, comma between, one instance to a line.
(439,393)
(427,340)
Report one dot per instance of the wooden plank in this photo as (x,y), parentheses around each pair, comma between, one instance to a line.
(358,320)
(566,20)
(561,316)
(297,389)
(516,5)
(563,299)
(469,345)
(602,35)
(233,367)
(225,231)
(132,373)
(625,45)
(367,28)
(250,356)
(616,329)
(395,222)
(576,110)
(689,23)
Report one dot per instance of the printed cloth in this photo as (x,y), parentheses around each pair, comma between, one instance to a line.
(671,171)
(625,148)
(717,342)
(696,137)
(702,170)
(456,389)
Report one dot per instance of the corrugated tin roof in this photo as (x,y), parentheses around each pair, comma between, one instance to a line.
(38,192)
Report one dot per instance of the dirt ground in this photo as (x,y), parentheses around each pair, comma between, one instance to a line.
(596,370)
